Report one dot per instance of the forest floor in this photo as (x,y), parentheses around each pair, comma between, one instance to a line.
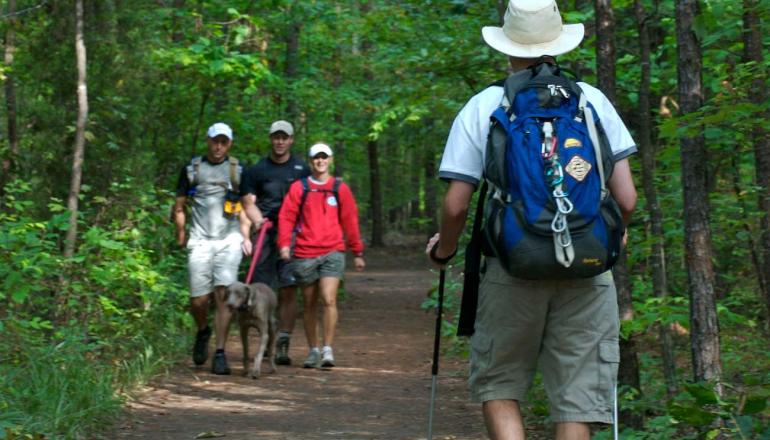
(380,388)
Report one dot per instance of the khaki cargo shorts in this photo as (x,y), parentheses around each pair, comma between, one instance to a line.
(212,263)
(567,329)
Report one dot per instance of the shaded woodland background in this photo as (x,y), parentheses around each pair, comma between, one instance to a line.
(105,100)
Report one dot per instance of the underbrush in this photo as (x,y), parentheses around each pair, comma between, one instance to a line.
(78,335)
(742,411)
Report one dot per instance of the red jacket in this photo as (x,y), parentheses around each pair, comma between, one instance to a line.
(319,231)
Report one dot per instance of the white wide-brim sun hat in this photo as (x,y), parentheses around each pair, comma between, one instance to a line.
(531,29)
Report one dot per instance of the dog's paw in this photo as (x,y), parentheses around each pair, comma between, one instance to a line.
(255,374)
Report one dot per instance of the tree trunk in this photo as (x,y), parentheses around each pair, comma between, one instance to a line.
(501,6)
(704,331)
(628,372)
(605,48)
(9,162)
(376,194)
(658,257)
(431,193)
(752,51)
(415,171)
(290,68)
(375,200)
(80,133)
(199,122)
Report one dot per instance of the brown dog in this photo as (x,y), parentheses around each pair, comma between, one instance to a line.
(256,304)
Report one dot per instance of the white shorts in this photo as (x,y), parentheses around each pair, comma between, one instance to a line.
(213,263)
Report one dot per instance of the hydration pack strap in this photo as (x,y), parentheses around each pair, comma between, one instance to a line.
(591,123)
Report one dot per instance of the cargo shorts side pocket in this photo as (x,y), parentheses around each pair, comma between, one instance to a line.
(609,359)
(481,356)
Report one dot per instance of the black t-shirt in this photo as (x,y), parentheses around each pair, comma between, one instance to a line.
(270,182)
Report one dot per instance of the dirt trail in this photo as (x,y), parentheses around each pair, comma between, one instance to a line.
(380,388)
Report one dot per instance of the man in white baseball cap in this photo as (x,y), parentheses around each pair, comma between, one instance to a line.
(568,329)
(214,245)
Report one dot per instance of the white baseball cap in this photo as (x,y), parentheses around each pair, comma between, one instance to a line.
(284,126)
(531,29)
(220,128)
(318,149)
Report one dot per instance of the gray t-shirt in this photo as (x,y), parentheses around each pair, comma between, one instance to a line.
(208,199)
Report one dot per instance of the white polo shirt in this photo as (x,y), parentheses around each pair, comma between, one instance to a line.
(463,157)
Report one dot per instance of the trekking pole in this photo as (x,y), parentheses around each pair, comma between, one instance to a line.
(436,342)
(257,250)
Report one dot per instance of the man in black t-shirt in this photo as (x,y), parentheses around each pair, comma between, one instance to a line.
(262,191)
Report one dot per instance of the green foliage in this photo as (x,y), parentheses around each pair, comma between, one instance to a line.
(79,333)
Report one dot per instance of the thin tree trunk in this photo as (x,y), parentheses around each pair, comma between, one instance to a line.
(371,147)
(628,371)
(605,48)
(658,257)
(199,122)
(9,162)
(376,194)
(339,145)
(292,61)
(415,171)
(431,192)
(80,133)
(704,332)
(752,51)
(501,6)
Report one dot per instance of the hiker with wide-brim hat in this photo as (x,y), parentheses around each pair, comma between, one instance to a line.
(568,328)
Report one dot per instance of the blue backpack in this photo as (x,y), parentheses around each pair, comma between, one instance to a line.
(549,213)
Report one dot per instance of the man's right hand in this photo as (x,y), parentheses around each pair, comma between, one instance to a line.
(285,253)
(181,238)
(247,247)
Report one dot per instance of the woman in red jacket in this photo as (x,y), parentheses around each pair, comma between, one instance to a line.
(319,212)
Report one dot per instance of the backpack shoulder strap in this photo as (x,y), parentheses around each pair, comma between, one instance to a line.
(588,112)
(305,189)
(193,170)
(470,298)
(235,173)
(336,187)
(336,193)
(513,84)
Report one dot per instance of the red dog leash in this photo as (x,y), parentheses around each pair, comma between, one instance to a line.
(258,248)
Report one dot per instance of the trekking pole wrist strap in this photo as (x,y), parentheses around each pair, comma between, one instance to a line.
(436,259)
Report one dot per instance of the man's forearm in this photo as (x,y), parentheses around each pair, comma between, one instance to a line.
(250,208)
(454,211)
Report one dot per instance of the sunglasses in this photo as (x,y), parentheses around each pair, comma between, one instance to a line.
(321,156)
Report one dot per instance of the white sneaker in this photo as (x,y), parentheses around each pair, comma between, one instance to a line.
(327,357)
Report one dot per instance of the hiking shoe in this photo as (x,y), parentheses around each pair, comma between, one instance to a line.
(219,364)
(313,359)
(201,347)
(282,351)
(327,357)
